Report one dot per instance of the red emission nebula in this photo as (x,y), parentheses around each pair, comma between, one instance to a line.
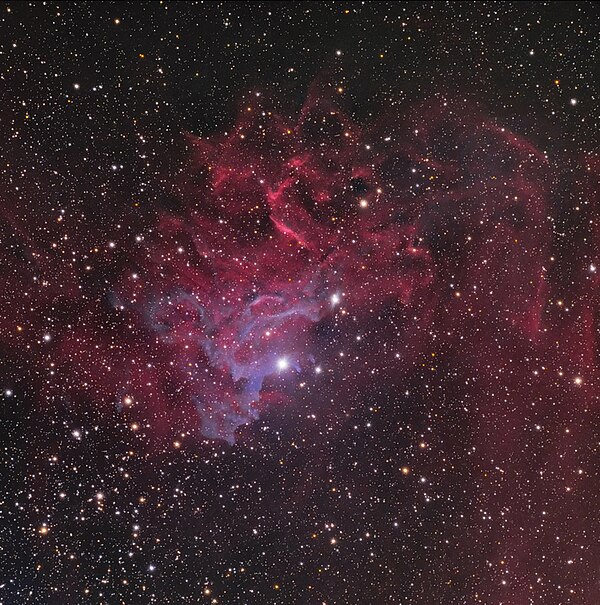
(311,259)
(429,226)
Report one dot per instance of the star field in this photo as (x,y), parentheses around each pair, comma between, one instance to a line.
(300,303)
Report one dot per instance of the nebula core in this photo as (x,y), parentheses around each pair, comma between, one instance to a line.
(285,227)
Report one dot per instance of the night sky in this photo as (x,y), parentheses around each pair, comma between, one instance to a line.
(300,303)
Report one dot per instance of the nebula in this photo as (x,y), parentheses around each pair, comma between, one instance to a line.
(286,224)
(431,223)
(309,264)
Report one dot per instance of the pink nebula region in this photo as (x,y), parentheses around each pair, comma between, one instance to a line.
(292,236)
(288,224)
